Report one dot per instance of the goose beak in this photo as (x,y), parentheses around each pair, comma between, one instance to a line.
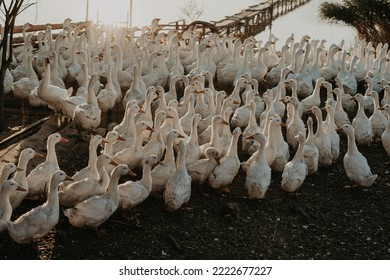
(282,124)
(20,188)
(38,155)
(113,163)
(64,140)
(104,142)
(141,110)
(250,137)
(381,108)
(68,178)
(131,173)
(236,102)
(149,128)
(181,136)
(218,161)
(120,138)
(19,169)
(225,122)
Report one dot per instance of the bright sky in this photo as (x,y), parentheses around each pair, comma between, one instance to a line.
(55,11)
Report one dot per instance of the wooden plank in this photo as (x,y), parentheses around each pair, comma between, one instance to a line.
(22,133)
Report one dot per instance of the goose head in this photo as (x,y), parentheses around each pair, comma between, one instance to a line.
(57,177)
(347,129)
(218,119)
(10,186)
(151,161)
(29,153)
(122,169)
(56,138)
(141,126)
(259,137)
(112,136)
(173,134)
(213,153)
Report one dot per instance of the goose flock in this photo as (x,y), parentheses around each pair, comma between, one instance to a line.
(192,104)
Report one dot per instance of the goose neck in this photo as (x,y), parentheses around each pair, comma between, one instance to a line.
(352,148)
(232,150)
(51,153)
(146,179)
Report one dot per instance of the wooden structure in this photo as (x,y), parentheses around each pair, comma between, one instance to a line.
(256,18)
(248,22)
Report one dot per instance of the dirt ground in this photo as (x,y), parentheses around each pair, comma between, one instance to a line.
(322,220)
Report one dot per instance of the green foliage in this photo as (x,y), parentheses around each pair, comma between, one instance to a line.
(371,18)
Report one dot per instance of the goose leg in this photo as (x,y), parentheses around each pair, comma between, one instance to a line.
(201,191)
(224,190)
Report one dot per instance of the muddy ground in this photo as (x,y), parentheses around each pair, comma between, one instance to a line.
(322,220)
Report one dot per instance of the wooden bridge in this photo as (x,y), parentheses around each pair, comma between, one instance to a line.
(248,22)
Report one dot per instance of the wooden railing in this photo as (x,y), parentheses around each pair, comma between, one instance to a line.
(248,22)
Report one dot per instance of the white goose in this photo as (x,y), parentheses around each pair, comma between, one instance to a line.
(127,127)
(377,119)
(361,123)
(39,221)
(107,97)
(258,174)
(6,171)
(162,172)
(282,154)
(310,150)
(134,155)
(200,170)
(49,93)
(215,142)
(295,171)
(147,115)
(37,180)
(16,197)
(321,140)
(355,164)
(226,134)
(330,130)
(192,144)
(313,99)
(87,116)
(223,175)
(340,116)
(386,95)
(241,115)
(186,120)
(23,87)
(78,191)
(386,134)
(295,126)
(97,209)
(135,91)
(133,193)
(251,129)
(156,144)
(109,140)
(178,188)
(6,189)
